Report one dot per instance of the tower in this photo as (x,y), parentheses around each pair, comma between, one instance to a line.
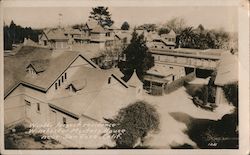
(135,86)
(60,20)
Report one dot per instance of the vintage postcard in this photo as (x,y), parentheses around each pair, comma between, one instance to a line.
(124,77)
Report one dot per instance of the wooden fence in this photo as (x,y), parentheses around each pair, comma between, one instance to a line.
(179,83)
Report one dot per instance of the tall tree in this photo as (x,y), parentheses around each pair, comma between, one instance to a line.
(163,30)
(125,26)
(101,15)
(137,57)
(176,24)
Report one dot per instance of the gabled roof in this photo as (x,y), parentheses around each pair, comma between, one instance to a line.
(171,34)
(55,34)
(98,29)
(39,65)
(91,23)
(15,67)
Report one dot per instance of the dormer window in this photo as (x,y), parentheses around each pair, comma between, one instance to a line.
(77,85)
(37,66)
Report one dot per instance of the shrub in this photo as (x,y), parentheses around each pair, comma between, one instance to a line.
(20,128)
(137,120)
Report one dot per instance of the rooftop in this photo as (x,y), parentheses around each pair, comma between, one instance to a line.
(89,101)
(188,52)
(54,62)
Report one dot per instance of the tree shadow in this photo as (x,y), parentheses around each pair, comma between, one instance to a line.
(209,134)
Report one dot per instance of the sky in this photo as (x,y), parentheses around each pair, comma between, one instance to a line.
(211,17)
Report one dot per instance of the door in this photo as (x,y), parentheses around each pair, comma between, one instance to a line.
(53,117)
(28,110)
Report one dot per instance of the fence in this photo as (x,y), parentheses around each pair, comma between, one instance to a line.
(178,83)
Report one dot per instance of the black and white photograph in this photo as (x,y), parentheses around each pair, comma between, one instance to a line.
(111,77)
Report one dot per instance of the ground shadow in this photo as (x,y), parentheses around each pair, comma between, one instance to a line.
(207,134)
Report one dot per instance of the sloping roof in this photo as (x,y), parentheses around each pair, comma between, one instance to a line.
(97,99)
(55,34)
(15,67)
(227,70)
(98,29)
(91,23)
(134,81)
(29,42)
(40,65)
(164,70)
(171,34)
(88,50)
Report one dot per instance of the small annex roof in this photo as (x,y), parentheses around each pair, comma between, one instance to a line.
(227,70)
(164,70)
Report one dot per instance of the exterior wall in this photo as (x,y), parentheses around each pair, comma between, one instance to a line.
(220,97)
(61,44)
(33,115)
(53,92)
(186,61)
(14,104)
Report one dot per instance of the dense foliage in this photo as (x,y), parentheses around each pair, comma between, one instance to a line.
(137,57)
(137,119)
(102,16)
(125,26)
(148,27)
(163,31)
(231,93)
(15,34)
(200,38)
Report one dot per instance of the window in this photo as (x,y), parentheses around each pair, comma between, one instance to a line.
(173,77)
(27,103)
(38,107)
(55,85)
(65,75)
(59,82)
(109,80)
(62,79)
(64,121)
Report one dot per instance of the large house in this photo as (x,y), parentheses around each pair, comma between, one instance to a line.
(46,86)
